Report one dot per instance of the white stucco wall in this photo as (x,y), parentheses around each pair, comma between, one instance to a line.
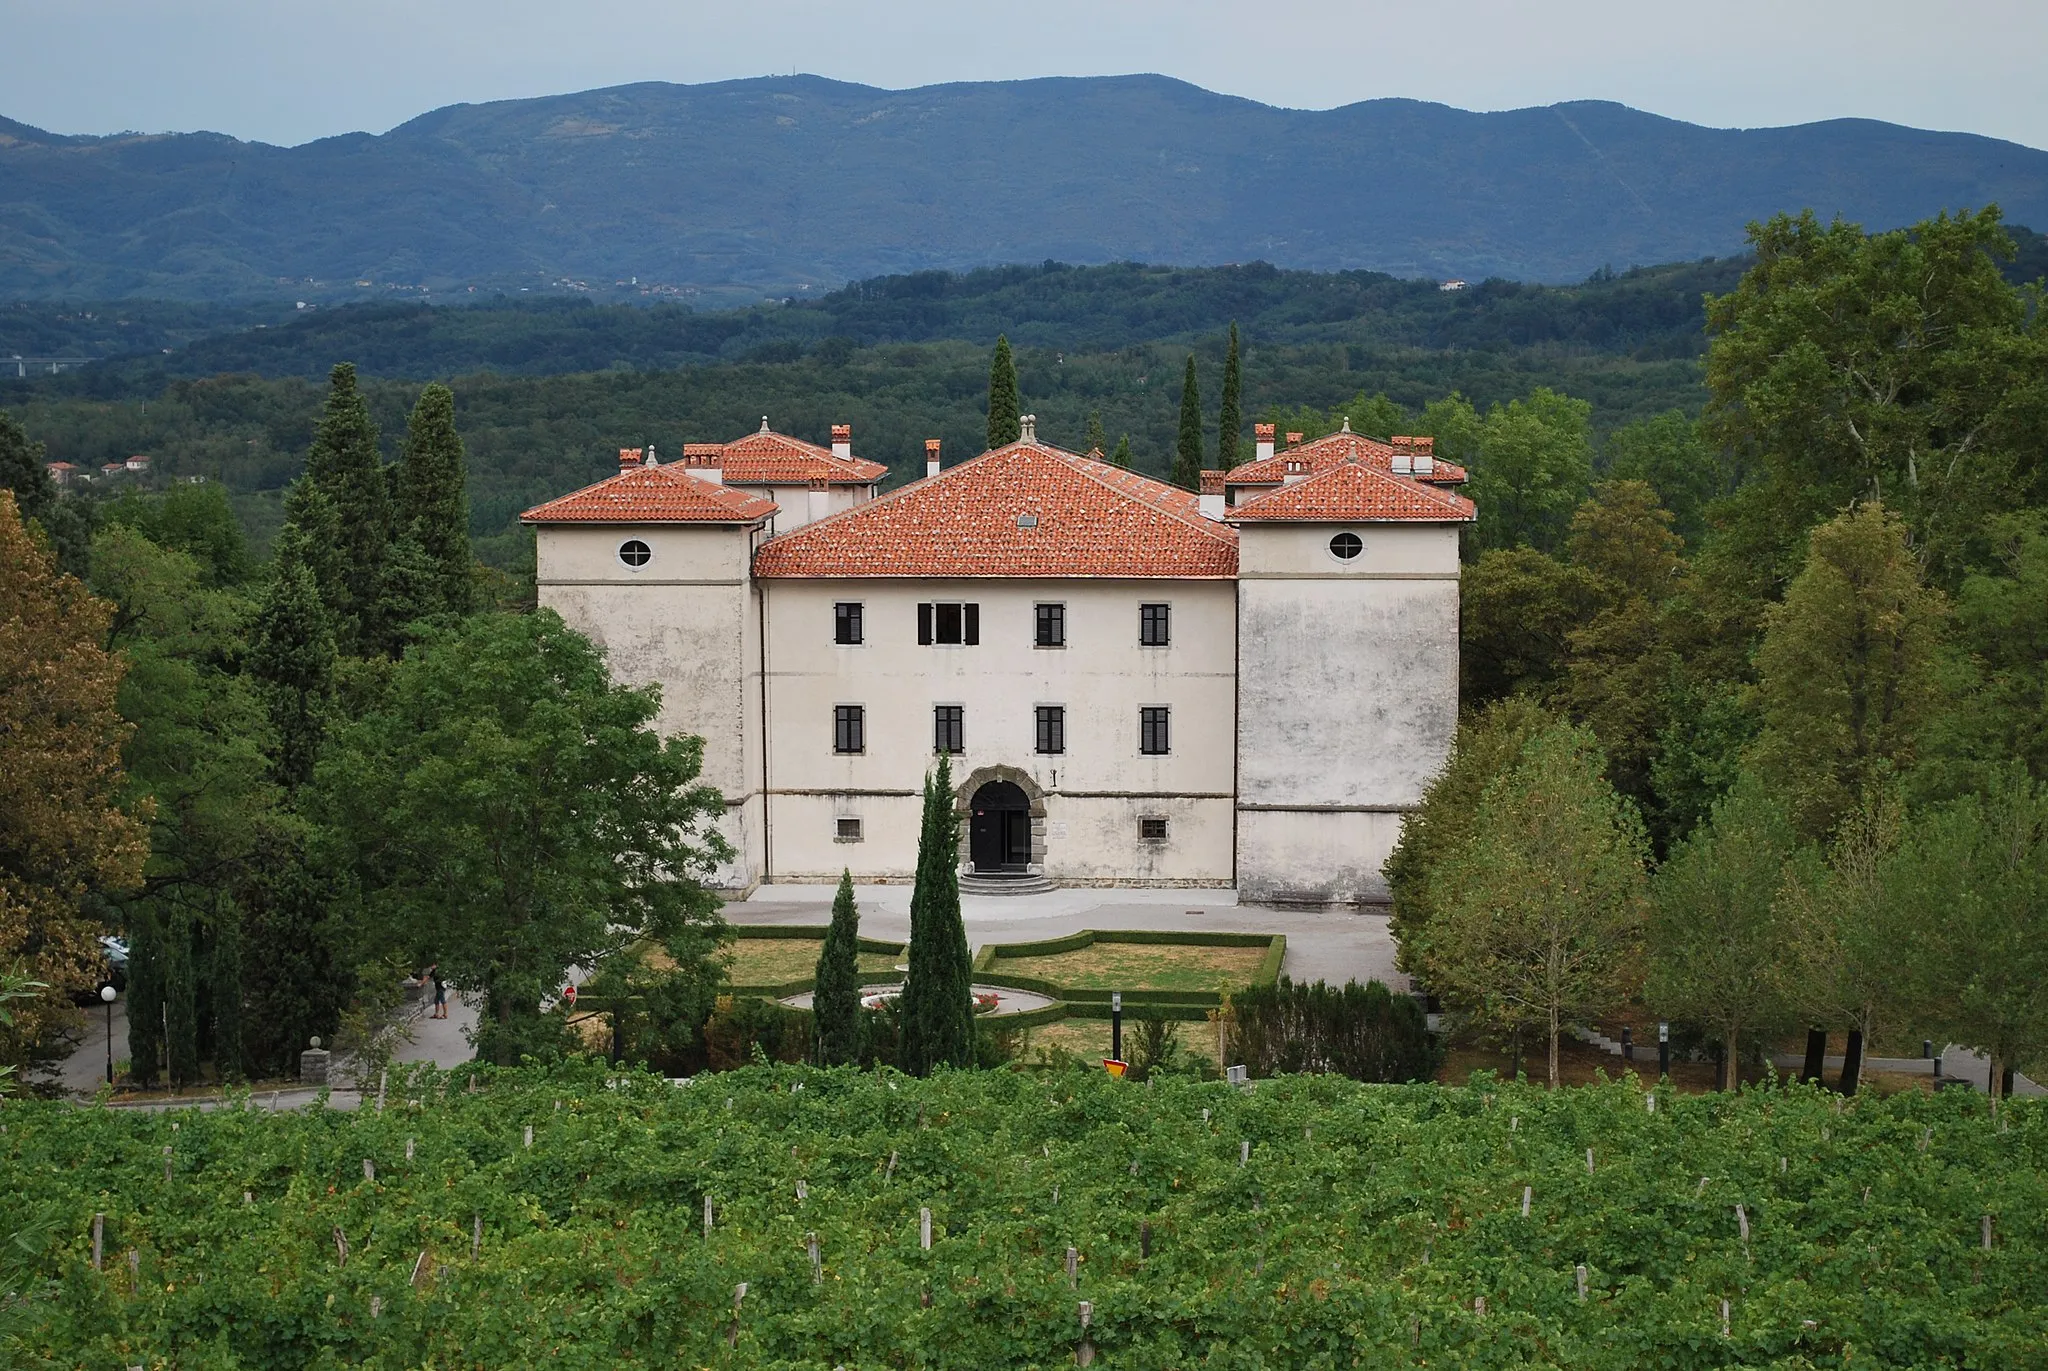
(1348,701)
(687,620)
(1094,793)
(798,505)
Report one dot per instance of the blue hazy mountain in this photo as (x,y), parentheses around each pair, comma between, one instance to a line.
(781,183)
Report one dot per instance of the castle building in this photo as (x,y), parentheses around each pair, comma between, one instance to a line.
(1137,684)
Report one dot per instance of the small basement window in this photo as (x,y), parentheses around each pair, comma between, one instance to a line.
(635,553)
(846,831)
(1346,546)
(1152,830)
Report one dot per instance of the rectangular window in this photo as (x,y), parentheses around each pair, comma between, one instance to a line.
(846,831)
(849,728)
(1052,729)
(1153,730)
(1051,626)
(1151,830)
(846,623)
(949,622)
(1155,625)
(949,728)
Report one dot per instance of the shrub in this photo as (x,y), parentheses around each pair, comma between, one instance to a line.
(1365,1032)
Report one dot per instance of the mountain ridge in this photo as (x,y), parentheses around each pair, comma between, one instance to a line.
(779,184)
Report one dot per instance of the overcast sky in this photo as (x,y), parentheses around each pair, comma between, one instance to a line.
(285,71)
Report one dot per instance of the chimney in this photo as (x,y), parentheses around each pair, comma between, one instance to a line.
(1262,441)
(1294,440)
(842,440)
(931,457)
(629,457)
(1029,424)
(1404,455)
(1297,470)
(818,500)
(1212,495)
(705,461)
(1425,456)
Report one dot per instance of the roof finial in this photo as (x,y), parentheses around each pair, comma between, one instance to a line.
(1028,424)
(764,423)
(1347,423)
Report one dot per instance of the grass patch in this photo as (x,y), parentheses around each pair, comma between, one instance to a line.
(772,961)
(1141,966)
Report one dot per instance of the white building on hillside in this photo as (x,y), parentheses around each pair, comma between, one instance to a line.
(1138,685)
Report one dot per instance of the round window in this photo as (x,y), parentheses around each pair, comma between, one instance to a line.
(1345,546)
(634,553)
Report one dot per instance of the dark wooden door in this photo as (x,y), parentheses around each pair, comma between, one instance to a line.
(999,828)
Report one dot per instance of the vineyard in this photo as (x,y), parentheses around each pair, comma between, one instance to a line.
(793,1217)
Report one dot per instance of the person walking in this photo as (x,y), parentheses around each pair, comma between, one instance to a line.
(440,992)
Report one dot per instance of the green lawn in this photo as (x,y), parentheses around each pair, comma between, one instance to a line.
(1141,966)
(774,961)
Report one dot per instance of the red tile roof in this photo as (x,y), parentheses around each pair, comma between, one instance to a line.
(1325,452)
(653,495)
(1028,509)
(1356,492)
(775,459)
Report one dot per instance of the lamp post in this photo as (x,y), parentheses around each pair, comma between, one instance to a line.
(107,994)
(1116,1024)
(1663,1049)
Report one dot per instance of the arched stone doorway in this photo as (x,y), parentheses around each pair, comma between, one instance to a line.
(1002,811)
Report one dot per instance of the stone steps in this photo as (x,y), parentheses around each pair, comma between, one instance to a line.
(1036,883)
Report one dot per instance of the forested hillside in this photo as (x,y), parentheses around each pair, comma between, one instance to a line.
(778,183)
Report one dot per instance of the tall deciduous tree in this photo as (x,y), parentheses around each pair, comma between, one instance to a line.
(1665,452)
(1976,872)
(1847,667)
(1898,367)
(1231,418)
(66,836)
(1005,405)
(344,465)
(938,1003)
(1532,469)
(510,812)
(433,504)
(1539,917)
(1187,448)
(835,995)
(1716,931)
(1487,743)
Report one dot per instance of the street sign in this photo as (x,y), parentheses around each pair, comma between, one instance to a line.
(1115,1067)
(569,996)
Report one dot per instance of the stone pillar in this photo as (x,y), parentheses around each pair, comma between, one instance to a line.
(313,1065)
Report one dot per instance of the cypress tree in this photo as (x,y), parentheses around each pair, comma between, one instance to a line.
(1005,408)
(835,997)
(938,1005)
(433,504)
(1187,452)
(181,1003)
(291,656)
(307,509)
(226,982)
(145,998)
(1232,417)
(1122,456)
(343,464)
(1097,440)
(294,977)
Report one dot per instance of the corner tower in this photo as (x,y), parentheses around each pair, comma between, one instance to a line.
(1347,635)
(652,565)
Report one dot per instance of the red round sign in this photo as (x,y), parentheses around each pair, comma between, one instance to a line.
(569,994)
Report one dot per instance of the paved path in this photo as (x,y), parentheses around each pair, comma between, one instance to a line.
(1320,946)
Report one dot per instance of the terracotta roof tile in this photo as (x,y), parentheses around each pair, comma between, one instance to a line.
(652,495)
(1356,492)
(775,459)
(1028,509)
(1324,452)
